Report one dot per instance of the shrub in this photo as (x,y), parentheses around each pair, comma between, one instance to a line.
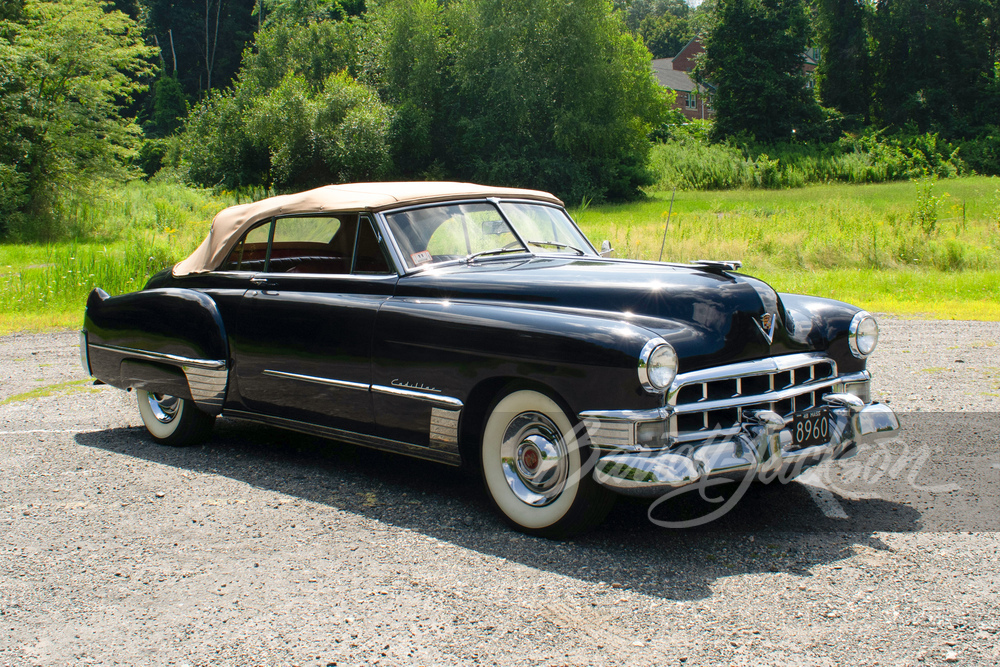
(689,161)
(291,137)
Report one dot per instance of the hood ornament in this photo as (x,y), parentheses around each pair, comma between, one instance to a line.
(766,326)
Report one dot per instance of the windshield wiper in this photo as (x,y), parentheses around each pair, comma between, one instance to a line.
(557,245)
(494,251)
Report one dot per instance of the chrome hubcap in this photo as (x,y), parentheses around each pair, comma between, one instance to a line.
(534,459)
(164,407)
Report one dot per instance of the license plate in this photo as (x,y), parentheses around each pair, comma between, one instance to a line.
(811,427)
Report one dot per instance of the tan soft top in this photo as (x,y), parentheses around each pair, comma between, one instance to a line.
(229,225)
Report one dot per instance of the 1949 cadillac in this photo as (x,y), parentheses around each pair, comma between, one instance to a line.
(478,326)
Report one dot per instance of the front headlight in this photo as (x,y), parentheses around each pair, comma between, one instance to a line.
(863,335)
(657,366)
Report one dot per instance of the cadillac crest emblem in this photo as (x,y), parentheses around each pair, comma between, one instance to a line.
(766,326)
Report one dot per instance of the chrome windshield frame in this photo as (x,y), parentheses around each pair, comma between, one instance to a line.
(384,228)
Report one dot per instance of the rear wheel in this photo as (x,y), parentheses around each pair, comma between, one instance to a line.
(173,421)
(535,471)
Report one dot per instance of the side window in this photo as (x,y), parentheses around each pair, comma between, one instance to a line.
(251,251)
(313,244)
(369,257)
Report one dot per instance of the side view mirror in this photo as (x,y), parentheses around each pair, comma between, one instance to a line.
(606,249)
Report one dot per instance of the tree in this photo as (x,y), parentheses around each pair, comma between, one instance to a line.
(754,57)
(201,43)
(295,117)
(665,35)
(555,95)
(663,25)
(935,64)
(406,58)
(843,75)
(68,68)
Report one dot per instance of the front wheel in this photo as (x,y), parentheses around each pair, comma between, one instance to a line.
(535,469)
(173,421)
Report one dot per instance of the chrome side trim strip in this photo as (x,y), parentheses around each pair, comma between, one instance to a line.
(343,384)
(361,439)
(446,401)
(210,364)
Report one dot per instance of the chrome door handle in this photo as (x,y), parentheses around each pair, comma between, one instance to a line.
(264,285)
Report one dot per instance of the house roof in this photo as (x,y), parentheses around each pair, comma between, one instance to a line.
(229,225)
(672,78)
(676,79)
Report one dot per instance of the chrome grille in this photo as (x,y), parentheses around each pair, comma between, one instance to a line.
(712,402)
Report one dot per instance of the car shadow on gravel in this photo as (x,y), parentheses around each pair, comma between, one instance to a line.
(772,529)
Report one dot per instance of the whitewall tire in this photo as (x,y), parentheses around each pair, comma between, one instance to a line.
(536,471)
(173,421)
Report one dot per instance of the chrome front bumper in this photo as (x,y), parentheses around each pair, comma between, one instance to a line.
(762,447)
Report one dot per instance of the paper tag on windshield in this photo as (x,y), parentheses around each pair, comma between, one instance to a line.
(421,257)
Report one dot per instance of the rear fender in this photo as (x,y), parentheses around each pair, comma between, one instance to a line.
(168,341)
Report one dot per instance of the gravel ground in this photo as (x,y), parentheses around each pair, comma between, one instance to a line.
(270,548)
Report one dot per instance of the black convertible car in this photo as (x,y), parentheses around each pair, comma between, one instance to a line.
(478,326)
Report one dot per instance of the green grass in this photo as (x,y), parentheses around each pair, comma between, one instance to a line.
(926,249)
(62,388)
(131,232)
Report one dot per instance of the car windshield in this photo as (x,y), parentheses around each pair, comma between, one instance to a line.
(435,234)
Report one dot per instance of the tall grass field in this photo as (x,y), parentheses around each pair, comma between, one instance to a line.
(928,248)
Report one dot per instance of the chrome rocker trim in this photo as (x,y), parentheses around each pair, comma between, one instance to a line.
(762,447)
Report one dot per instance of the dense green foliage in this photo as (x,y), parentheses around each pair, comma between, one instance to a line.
(903,69)
(665,26)
(295,118)
(66,67)
(535,93)
(935,64)
(843,74)
(689,162)
(926,65)
(291,136)
(754,58)
(553,95)
(200,43)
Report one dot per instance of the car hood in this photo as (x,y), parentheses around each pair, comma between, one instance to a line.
(710,318)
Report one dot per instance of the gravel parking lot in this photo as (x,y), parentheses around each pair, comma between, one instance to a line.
(270,548)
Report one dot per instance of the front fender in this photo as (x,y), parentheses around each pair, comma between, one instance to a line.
(589,359)
(822,324)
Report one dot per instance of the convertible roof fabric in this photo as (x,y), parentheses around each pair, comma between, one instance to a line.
(229,225)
